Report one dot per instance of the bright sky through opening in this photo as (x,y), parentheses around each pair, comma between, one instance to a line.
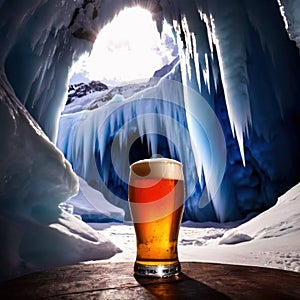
(129,48)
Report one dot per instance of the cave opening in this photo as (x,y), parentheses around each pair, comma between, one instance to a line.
(128,49)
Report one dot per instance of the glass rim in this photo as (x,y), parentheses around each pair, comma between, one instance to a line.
(157,160)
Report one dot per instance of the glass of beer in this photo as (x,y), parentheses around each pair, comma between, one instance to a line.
(156,198)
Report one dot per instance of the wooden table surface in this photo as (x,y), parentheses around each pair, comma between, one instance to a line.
(115,281)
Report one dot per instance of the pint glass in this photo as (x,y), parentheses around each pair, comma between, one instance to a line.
(156,198)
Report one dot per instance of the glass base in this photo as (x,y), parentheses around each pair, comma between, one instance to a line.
(161,271)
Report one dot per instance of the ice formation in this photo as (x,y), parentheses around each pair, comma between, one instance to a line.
(35,178)
(91,206)
(246,69)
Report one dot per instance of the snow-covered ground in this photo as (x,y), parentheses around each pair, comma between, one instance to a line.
(271,239)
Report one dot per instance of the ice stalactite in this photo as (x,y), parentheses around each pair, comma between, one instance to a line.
(199,89)
(230,39)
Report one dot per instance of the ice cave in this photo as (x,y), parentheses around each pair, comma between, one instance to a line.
(228,109)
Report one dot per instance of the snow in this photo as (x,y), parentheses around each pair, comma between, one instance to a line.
(99,98)
(271,239)
(85,102)
(90,204)
(35,233)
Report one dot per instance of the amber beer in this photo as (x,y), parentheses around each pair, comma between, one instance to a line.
(156,197)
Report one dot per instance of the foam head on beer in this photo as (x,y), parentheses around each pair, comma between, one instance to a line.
(157,168)
(156,186)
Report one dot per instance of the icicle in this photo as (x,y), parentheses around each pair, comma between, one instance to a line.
(196,61)
(207,21)
(206,134)
(232,54)
(206,72)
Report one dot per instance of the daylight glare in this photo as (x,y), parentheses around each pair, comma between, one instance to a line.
(129,48)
